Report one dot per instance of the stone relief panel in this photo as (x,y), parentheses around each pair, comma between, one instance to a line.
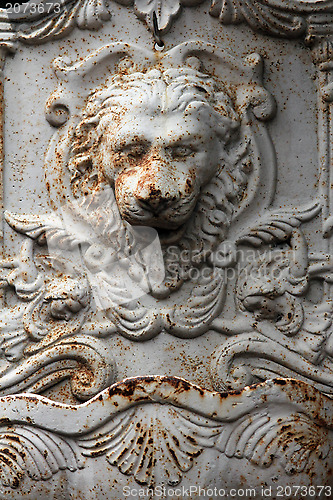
(162,238)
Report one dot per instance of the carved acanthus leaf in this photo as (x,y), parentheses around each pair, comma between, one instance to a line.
(44,321)
(203,305)
(43,228)
(165,10)
(53,19)
(153,445)
(291,19)
(36,452)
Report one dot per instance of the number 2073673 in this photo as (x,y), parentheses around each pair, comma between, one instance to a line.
(33,8)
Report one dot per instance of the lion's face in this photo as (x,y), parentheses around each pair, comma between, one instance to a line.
(166,144)
(158,162)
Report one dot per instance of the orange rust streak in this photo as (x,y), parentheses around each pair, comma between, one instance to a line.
(3,52)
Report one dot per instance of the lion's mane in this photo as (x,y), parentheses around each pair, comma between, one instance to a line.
(173,89)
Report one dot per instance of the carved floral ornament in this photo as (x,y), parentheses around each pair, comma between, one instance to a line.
(42,21)
(154,172)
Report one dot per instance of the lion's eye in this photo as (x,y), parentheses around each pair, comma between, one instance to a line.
(181,151)
(135,151)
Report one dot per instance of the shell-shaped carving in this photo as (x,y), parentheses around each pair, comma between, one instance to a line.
(261,437)
(159,443)
(35,452)
(153,443)
(154,429)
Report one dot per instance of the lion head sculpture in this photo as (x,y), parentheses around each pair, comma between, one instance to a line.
(164,140)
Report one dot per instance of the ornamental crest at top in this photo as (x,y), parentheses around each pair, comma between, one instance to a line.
(39,21)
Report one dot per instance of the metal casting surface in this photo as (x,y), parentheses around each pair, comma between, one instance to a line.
(166,265)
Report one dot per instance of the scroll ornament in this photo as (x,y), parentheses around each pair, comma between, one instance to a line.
(50,20)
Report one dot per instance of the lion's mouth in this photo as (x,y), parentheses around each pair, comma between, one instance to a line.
(168,236)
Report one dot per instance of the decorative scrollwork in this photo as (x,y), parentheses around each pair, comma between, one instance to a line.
(50,20)
(249,358)
(291,19)
(36,23)
(155,429)
(84,361)
(165,12)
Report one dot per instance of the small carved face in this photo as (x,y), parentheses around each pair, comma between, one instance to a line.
(157,162)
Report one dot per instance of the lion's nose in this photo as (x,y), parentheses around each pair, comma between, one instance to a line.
(152,199)
(154,188)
